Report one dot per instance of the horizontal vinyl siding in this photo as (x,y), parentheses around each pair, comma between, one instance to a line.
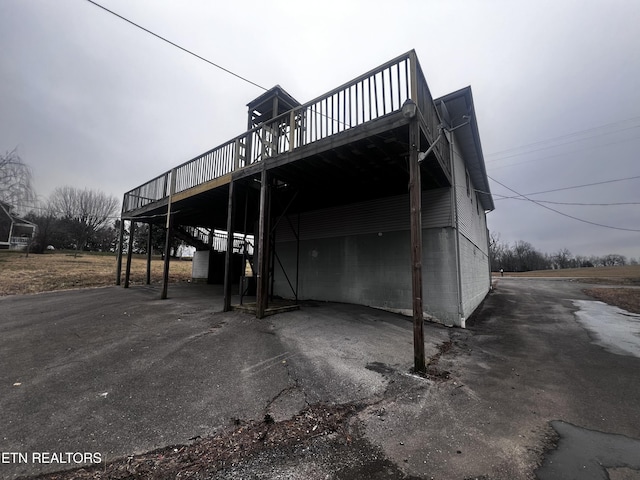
(472,220)
(388,214)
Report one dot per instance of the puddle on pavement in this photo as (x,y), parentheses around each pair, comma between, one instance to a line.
(613,328)
(588,454)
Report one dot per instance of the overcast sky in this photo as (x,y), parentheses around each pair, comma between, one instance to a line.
(89,100)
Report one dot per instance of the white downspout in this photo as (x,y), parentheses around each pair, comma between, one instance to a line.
(454,193)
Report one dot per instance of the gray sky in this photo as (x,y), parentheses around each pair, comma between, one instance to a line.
(90,100)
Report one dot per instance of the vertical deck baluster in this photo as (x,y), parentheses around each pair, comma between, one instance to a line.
(326,117)
(357,103)
(350,120)
(384,95)
(363,100)
(367,104)
(332,120)
(398,87)
(375,92)
(407,78)
(345,125)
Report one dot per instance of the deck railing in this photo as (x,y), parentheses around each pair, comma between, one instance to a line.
(373,95)
(218,239)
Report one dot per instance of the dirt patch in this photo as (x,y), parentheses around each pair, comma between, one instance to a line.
(625,298)
(226,451)
(21,274)
(432,369)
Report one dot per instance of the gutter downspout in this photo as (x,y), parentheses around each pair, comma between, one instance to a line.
(456,227)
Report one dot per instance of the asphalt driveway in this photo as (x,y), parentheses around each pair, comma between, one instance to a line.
(120,372)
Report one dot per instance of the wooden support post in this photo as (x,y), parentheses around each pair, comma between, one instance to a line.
(127,272)
(292,130)
(168,237)
(415,198)
(229,254)
(167,255)
(119,259)
(149,252)
(262,279)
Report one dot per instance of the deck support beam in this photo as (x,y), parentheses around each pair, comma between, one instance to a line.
(127,272)
(262,279)
(415,199)
(149,246)
(119,260)
(229,254)
(168,237)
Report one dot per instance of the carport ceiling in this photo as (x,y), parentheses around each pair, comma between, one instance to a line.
(374,167)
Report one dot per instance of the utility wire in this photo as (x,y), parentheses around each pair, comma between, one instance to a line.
(562,154)
(562,213)
(568,135)
(176,45)
(565,188)
(581,204)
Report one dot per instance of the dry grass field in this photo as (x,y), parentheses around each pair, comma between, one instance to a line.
(626,275)
(20,274)
(625,294)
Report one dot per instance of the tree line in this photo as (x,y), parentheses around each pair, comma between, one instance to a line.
(524,257)
(71,218)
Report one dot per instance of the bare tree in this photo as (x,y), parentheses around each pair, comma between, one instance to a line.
(86,211)
(562,258)
(15,181)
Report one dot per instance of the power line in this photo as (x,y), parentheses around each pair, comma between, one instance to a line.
(563,154)
(568,135)
(562,213)
(565,188)
(176,45)
(504,197)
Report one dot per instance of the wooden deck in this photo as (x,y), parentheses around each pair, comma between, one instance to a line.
(352,142)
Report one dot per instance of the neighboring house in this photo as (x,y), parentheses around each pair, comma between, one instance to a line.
(15,233)
(374,194)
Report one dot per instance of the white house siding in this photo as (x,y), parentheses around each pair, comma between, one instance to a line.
(360,253)
(472,240)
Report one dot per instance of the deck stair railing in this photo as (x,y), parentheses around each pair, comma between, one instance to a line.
(373,95)
(201,237)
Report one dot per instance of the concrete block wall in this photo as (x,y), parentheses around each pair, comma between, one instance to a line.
(368,269)
(475,280)
(439,279)
(374,270)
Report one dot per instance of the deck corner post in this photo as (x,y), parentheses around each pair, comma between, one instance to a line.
(168,237)
(413,67)
(229,253)
(119,253)
(149,252)
(415,198)
(292,130)
(262,279)
(127,272)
